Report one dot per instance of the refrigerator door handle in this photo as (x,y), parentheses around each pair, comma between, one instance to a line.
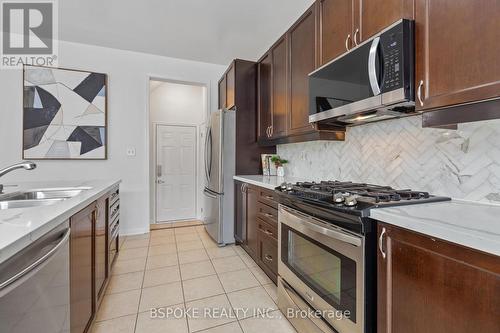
(208,154)
(209,194)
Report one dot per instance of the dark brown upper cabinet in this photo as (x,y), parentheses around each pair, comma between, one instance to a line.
(303,59)
(335,27)
(375,15)
(433,286)
(264,106)
(457,43)
(344,24)
(279,89)
(222,92)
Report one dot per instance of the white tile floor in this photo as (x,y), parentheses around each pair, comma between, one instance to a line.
(183,268)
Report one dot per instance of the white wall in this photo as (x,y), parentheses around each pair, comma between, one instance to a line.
(128,124)
(178,104)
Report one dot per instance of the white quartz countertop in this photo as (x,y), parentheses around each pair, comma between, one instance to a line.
(269,182)
(471,224)
(19,227)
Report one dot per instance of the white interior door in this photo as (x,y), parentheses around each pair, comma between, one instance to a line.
(175,173)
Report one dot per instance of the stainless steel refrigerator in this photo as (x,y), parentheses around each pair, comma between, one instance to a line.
(220,160)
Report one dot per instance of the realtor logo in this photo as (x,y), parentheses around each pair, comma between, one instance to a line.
(28,33)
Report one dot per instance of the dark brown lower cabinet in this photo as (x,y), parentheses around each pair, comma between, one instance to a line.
(252,240)
(82,269)
(433,286)
(101,256)
(260,238)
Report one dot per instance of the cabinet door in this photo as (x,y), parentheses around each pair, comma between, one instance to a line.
(264,97)
(222,92)
(376,15)
(302,45)
(457,51)
(252,230)
(279,89)
(335,26)
(100,246)
(432,286)
(82,267)
(230,87)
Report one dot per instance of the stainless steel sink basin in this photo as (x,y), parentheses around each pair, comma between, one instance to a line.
(9,204)
(40,194)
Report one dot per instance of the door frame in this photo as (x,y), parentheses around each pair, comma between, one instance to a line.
(151,137)
(155,126)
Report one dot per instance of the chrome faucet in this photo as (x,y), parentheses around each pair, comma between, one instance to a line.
(25,165)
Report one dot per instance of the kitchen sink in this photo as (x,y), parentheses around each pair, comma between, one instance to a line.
(52,193)
(9,204)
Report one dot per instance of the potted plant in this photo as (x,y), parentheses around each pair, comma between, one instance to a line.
(279,162)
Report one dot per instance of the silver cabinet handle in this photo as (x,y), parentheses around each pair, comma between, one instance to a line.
(267,131)
(372,66)
(381,243)
(347,42)
(267,232)
(271,131)
(419,92)
(36,263)
(355,38)
(268,257)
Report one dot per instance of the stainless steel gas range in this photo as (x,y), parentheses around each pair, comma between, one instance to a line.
(327,250)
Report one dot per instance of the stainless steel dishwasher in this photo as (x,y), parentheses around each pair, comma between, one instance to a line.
(34,286)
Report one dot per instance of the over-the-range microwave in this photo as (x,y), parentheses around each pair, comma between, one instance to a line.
(371,82)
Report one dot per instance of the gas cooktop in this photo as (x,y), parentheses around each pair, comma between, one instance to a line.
(354,198)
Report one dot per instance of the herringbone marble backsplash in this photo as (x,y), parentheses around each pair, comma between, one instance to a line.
(462,164)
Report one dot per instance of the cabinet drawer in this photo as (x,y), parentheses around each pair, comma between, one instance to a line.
(267,229)
(267,213)
(268,197)
(269,252)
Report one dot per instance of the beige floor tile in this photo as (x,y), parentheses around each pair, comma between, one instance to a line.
(190,245)
(202,287)
(162,249)
(125,282)
(162,260)
(124,324)
(135,237)
(239,250)
(214,307)
(135,243)
(209,243)
(249,262)
(228,264)
(155,277)
(186,257)
(161,296)
(252,302)
(185,230)
(260,275)
(162,233)
(170,324)
(233,327)
(220,252)
(237,280)
(128,266)
(272,291)
(162,240)
(118,305)
(127,254)
(260,324)
(187,237)
(197,269)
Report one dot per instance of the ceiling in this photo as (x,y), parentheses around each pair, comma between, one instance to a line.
(214,31)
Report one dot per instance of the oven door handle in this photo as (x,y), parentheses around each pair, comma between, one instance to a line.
(312,224)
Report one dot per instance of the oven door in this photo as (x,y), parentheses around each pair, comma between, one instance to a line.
(325,266)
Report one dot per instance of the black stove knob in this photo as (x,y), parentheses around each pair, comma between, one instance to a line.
(289,187)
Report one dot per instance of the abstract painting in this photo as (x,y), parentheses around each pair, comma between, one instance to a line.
(64,114)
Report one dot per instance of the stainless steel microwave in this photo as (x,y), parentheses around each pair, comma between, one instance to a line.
(371,82)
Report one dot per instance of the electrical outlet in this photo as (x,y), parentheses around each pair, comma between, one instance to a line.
(131,151)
